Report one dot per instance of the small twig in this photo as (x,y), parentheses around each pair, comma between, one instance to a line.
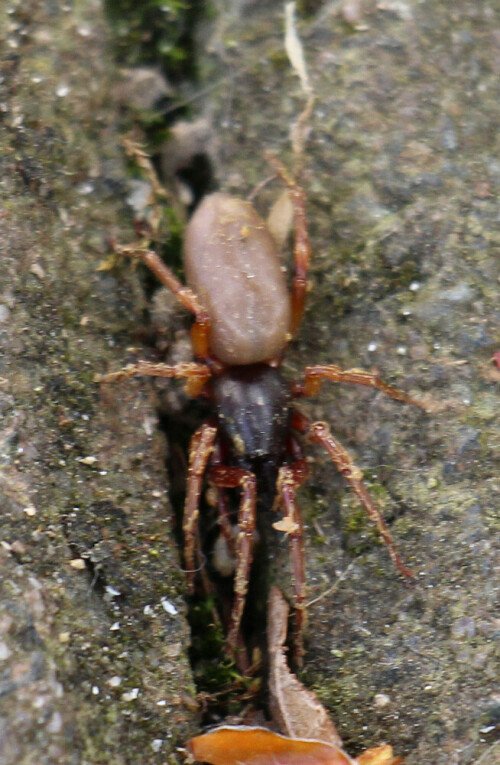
(137,153)
(295,53)
(334,586)
(258,188)
(487,754)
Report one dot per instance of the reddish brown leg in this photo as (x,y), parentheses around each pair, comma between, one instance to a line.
(221,503)
(289,478)
(320,433)
(196,375)
(302,246)
(224,520)
(200,449)
(316,375)
(201,328)
(232,478)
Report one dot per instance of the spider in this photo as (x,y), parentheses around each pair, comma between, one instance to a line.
(244,318)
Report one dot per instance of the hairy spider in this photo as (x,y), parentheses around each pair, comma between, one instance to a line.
(244,319)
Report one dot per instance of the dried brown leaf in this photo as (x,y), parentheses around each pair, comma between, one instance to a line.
(295,710)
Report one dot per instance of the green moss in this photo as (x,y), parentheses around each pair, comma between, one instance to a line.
(156,32)
(354,521)
(216,676)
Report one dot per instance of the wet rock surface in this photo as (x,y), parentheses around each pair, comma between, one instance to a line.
(402,181)
(92,633)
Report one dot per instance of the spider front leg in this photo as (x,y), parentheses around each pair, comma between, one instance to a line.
(231,478)
(319,432)
(196,375)
(200,330)
(200,449)
(316,375)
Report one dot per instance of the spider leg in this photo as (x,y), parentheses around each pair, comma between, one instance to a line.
(316,375)
(224,520)
(232,478)
(302,245)
(319,432)
(201,328)
(221,504)
(196,375)
(200,448)
(289,478)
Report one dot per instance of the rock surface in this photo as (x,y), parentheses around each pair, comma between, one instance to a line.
(92,634)
(402,178)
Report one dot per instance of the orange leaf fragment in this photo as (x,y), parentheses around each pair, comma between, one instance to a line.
(243,745)
(379,755)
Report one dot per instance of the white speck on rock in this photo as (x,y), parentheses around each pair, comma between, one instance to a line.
(130,695)
(381,700)
(5,651)
(62,90)
(55,723)
(169,607)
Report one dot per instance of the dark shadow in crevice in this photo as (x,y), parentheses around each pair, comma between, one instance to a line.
(198,176)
